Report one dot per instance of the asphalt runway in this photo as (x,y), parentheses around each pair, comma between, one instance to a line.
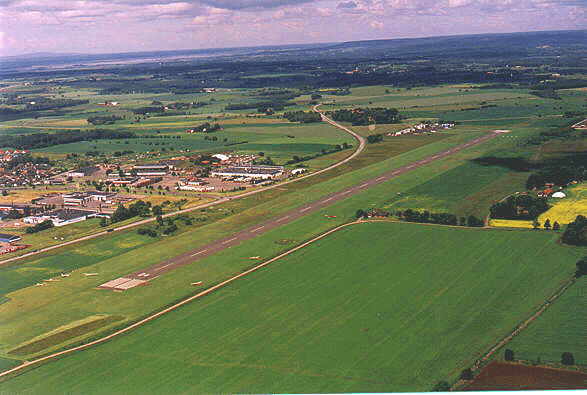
(234,239)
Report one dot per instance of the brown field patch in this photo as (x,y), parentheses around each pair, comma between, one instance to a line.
(502,376)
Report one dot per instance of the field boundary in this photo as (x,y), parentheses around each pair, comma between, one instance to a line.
(175,306)
(359,149)
(519,328)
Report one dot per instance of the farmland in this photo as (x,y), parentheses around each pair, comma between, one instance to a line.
(370,329)
(560,329)
(454,183)
(378,306)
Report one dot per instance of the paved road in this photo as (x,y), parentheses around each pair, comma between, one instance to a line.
(359,149)
(234,239)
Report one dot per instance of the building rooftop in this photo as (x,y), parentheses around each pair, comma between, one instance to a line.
(69,214)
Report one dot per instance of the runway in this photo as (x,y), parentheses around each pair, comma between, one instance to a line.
(156,270)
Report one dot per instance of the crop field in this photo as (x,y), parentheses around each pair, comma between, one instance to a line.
(306,324)
(446,192)
(504,376)
(278,140)
(560,329)
(565,210)
(69,300)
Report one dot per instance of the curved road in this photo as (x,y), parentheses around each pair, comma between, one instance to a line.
(357,137)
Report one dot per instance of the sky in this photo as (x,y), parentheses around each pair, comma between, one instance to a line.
(107,26)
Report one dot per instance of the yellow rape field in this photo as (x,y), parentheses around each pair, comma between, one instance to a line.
(510,223)
(565,210)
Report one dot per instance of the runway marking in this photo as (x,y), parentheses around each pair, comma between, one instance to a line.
(197,253)
(305,209)
(283,218)
(229,240)
(380,178)
(256,229)
(327,200)
(346,192)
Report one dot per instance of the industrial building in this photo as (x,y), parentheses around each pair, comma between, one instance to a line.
(252,171)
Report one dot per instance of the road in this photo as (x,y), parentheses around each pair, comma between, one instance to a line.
(359,149)
(156,270)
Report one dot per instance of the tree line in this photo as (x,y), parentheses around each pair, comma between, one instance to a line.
(302,116)
(366,116)
(42,140)
(425,217)
(103,119)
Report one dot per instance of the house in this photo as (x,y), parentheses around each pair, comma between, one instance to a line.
(8,238)
(83,172)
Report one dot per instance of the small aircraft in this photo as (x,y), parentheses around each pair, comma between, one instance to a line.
(40,284)
(65,274)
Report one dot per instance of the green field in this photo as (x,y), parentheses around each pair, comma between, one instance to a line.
(364,310)
(560,329)
(75,298)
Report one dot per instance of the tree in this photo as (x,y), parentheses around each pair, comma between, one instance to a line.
(441,386)
(508,355)
(567,358)
(556,226)
(474,221)
(103,222)
(547,224)
(581,267)
(120,214)
(536,224)
(575,233)
(4,192)
(360,213)
(157,210)
(467,374)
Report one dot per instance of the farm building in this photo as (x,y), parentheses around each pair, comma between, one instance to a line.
(258,172)
(8,238)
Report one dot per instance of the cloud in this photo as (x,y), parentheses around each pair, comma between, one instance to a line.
(347,4)
(251,4)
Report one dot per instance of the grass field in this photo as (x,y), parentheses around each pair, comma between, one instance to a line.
(364,310)
(560,329)
(75,299)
